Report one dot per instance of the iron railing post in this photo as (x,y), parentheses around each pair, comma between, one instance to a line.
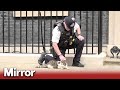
(99,32)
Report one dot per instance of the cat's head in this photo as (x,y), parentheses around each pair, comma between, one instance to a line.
(62,65)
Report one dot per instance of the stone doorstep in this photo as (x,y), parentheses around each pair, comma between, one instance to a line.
(111,61)
(88,60)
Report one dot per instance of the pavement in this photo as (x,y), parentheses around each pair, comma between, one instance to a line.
(93,69)
(26,65)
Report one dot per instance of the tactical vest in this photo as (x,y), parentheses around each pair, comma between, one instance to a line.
(66,38)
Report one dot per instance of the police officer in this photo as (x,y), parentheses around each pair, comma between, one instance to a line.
(67,35)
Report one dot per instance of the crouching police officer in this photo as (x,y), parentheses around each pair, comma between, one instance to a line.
(67,35)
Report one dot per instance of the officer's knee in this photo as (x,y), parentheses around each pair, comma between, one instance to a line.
(81,43)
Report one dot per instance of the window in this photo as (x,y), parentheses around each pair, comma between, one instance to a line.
(43,13)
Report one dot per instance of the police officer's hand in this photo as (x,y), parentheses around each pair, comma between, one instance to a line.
(80,37)
(62,58)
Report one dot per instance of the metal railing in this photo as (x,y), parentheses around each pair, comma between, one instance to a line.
(23,34)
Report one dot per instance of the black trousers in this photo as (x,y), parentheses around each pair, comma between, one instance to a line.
(76,44)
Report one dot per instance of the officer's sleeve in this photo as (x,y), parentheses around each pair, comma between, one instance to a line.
(55,35)
(76,26)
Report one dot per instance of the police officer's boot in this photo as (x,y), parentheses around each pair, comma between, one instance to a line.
(42,58)
(78,64)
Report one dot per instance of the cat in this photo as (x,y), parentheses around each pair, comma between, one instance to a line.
(53,64)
